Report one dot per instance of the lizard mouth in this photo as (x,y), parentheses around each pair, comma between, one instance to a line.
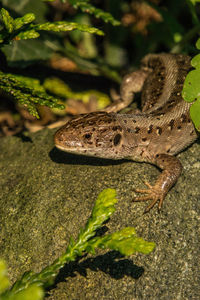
(61,148)
(71,149)
(74,150)
(83,151)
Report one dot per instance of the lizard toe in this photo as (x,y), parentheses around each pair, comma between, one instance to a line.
(153,193)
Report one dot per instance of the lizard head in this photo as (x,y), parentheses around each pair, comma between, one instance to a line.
(95,134)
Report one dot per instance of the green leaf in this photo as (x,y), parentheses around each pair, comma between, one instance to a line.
(129,246)
(26,19)
(22,7)
(86,7)
(198,44)
(191,88)
(29,34)
(195,113)
(66,26)
(124,241)
(104,206)
(4,281)
(8,21)
(22,53)
(31,31)
(32,292)
(194,1)
(195,62)
(61,89)
(26,94)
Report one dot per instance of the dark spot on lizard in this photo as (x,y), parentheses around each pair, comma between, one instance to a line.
(137,129)
(183,118)
(159,130)
(103,130)
(117,139)
(141,153)
(134,121)
(173,101)
(114,128)
(97,142)
(150,129)
(144,139)
(179,81)
(170,105)
(128,129)
(87,136)
(171,124)
(179,127)
(191,133)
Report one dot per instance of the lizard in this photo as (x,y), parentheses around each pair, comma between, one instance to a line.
(154,134)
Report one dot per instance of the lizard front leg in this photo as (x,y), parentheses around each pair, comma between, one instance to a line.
(172,168)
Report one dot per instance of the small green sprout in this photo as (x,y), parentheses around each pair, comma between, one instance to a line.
(31,285)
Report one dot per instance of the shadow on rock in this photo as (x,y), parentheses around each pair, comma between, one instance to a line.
(62,157)
(112,263)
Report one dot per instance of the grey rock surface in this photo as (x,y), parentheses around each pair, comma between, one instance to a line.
(46,195)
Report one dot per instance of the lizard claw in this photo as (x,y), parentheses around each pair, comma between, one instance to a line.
(154,194)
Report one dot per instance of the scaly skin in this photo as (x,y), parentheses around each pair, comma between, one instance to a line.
(155,134)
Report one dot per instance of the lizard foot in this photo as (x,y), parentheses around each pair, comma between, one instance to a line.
(154,194)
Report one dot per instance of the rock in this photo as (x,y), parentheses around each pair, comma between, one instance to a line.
(47,195)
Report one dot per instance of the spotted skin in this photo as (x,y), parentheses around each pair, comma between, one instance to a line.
(155,134)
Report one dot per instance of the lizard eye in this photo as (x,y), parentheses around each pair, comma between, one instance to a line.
(87,135)
(117,139)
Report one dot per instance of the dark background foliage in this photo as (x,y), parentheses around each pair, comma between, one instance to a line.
(85,61)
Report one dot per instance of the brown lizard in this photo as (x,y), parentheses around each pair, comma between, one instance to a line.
(155,134)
